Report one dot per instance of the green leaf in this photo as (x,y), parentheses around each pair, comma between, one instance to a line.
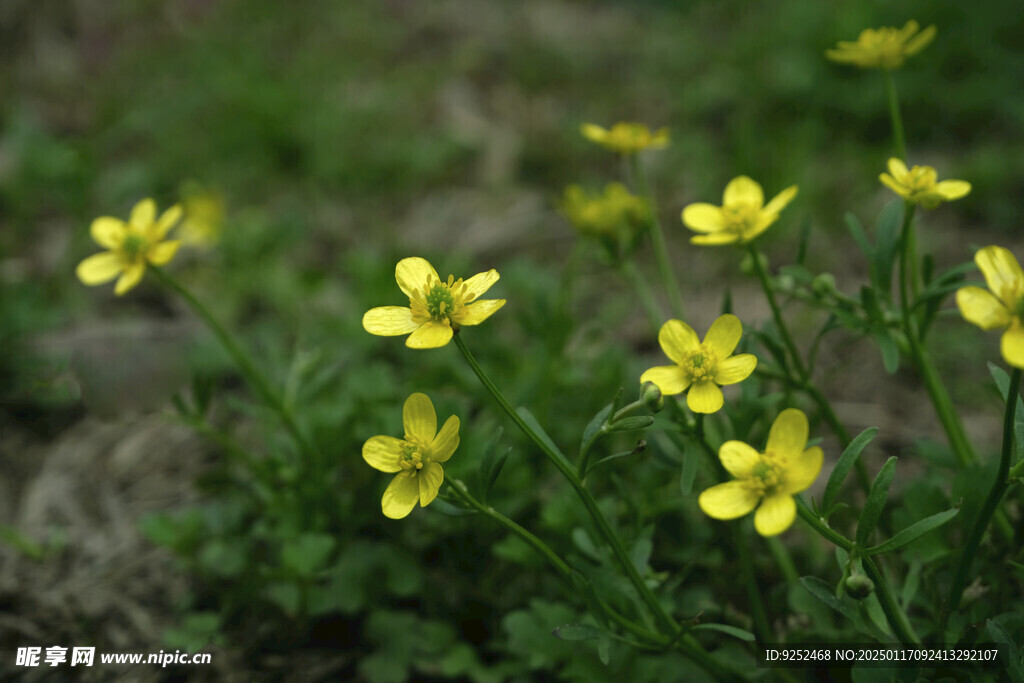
(805,236)
(689,472)
(826,594)
(1015,668)
(876,501)
(859,236)
(604,650)
(285,595)
(492,462)
(596,424)
(843,467)
(640,446)
(745,636)
(307,554)
(631,424)
(578,632)
(869,299)
(1003,383)
(913,532)
(887,231)
(532,423)
(890,352)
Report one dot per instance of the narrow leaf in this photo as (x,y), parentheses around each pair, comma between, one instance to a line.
(532,423)
(913,532)
(689,472)
(595,424)
(823,591)
(843,467)
(629,424)
(745,636)
(1015,668)
(890,352)
(859,236)
(876,501)
(887,230)
(578,632)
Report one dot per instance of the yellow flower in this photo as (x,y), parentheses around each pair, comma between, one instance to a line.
(603,214)
(919,187)
(204,216)
(626,137)
(742,216)
(701,366)
(885,47)
(1001,306)
(436,307)
(417,458)
(766,480)
(130,246)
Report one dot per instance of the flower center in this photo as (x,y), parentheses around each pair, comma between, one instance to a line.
(133,246)
(414,455)
(701,364)
(740,216)
(921,179)
(764,478)
(440,301)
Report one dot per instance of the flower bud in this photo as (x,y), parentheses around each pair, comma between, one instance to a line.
(650,396)
(747,264)
(824,284)
(859,586)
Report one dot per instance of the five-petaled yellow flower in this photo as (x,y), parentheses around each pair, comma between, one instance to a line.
(626,137)
(1001,306)
(417,458)
(603,214)
(884,47)
(742,216)
(436,307)
(701,366)
(919,186)
(130,246)
(766,480)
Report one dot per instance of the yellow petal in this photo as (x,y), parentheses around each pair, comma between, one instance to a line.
(703,217)
(384,453)
(735,369)
(909,29)
(788,434)
(479,311)
(982,308)
(727,501)
(480,283)
(803,470)
(161,253)
(446,441)
(670,379)
(953,189)
(143,214)
(1002,273)
(413,273)
(659,140)
(1012,346)
(894,185)
(389,321)
(897,168)
(743,190)
(779,201)
(765,221)
(724,334)
(401,495)
(738,458)
(593,132)
(775,514)
(167,220)
(108,232)
(678,340)
(919,42)
(716,239)
(430,335)
(430,478)
(705,397)
(99,268)
(419,418)
(132,274)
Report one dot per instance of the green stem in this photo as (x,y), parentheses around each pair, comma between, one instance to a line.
(585,449)
(643,291)
(894,614)
(989,508)
(780,324)
(258,382)
(687,643)
(898,138)
(940,398)
(668,278)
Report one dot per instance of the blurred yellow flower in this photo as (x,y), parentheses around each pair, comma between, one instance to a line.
(884,47)
(204,216)
(605,213)
(1001,306)
(130,246)
(626,137)
(766,480)
(701,366)
(742,216)
(436,307)
(416,459)
(918,185)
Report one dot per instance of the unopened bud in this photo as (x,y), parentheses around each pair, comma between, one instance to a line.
(747,264)
(824,284)
(650,396)
(859,586)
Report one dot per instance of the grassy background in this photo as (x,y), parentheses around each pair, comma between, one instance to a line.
(344,136)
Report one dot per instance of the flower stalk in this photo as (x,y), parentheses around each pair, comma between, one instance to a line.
(668,278)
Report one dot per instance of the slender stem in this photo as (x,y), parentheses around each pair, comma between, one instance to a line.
(245,364)
(991,503)
(898,138)
(940,398)
(581,470)
(643,291)
(687,643)
(894,614)
(780,323)
(668,278)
